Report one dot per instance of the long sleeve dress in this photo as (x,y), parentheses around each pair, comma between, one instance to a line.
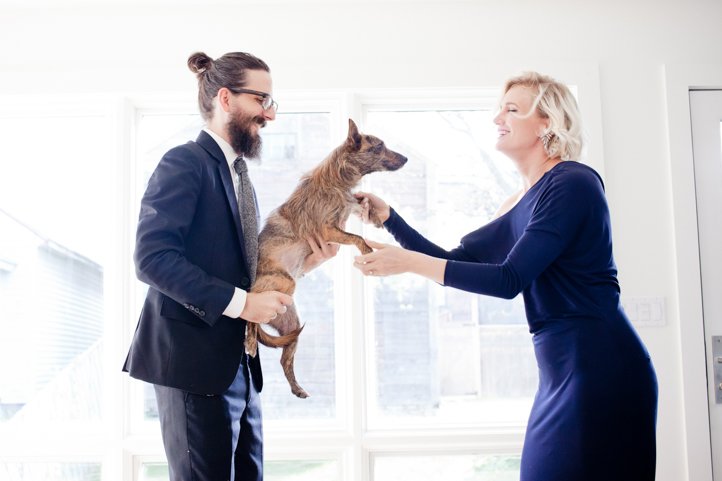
(594,413)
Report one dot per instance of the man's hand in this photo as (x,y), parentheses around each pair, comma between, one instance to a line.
(263,307)
(320,252)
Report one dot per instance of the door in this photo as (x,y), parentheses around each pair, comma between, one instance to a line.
(706,112)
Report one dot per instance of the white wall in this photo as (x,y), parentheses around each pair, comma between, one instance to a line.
(104,47)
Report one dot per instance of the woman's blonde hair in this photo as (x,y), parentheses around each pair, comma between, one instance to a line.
(554,101)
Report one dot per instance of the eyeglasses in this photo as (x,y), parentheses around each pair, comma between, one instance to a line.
(267,101)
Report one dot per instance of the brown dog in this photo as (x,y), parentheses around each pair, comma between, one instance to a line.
(317,209)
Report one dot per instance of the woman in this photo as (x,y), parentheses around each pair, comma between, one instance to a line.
(594,413)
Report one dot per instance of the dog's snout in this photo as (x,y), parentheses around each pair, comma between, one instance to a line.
(395,162)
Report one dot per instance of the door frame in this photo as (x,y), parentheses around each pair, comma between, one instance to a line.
(679,80)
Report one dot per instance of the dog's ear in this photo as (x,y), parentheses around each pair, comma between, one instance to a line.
(353,141)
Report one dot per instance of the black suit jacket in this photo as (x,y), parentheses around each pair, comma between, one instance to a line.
(190,251)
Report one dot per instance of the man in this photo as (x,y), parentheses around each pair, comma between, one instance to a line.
(196,248)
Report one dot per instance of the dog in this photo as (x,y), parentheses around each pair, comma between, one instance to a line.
(318,208)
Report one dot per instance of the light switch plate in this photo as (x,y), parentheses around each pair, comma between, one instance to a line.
(645,311)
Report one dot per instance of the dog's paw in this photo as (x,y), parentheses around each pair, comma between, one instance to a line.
(374,218)
(365,248)
(299,392)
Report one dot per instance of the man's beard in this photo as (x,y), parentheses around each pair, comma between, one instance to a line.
(243,140)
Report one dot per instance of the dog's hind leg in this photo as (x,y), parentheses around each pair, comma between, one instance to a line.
(289,325)
(335,234)
(289,352)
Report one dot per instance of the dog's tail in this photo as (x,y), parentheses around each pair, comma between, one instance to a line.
(269,340)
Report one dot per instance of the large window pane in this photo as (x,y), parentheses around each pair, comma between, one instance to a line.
(55,184)
(441,354)
(156,134)
(292,145)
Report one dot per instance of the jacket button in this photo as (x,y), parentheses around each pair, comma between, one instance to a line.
(202,313)
(245,282)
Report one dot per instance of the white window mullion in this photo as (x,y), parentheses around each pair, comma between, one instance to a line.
(118,299)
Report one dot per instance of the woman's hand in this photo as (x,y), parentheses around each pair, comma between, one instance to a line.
(388,260)
(373,209)
(320,252)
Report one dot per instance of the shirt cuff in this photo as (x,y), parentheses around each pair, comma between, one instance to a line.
(238,302)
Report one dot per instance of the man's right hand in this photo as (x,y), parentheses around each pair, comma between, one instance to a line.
(263,307)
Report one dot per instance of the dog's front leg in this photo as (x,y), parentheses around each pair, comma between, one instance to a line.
(335,234)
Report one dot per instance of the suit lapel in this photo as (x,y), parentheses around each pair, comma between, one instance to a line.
(210,145)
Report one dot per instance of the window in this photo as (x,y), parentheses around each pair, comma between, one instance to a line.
(407,379)
(441,356)
(156,132)
(56,200)
(293,144)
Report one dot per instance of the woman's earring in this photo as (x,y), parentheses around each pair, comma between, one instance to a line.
(547,140)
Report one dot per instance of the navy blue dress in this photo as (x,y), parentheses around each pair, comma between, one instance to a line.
(594,414)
